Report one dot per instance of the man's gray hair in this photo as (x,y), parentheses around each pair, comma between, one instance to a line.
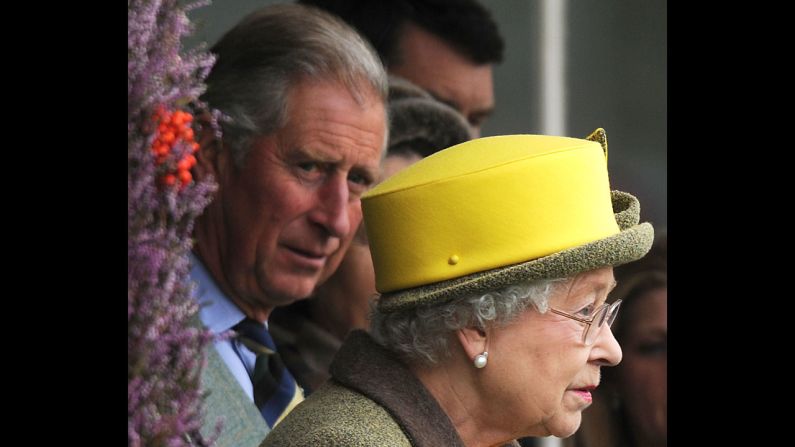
(421,334)
(263,56)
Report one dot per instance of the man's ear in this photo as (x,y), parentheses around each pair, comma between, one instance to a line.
(473,340)
(208,156)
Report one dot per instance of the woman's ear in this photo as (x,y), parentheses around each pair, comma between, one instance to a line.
(473,340)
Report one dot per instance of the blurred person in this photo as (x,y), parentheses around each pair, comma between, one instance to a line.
(632,409)
(309,332)
(494,259)
(305,129)
(447,47)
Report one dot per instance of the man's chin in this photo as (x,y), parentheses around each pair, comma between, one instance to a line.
(292,291)
(329,269)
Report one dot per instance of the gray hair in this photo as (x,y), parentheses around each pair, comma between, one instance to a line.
(420,334)
(270,50)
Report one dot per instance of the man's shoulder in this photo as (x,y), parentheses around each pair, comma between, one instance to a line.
(338,416)
(226,402)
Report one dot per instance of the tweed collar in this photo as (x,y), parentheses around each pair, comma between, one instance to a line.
(366,367)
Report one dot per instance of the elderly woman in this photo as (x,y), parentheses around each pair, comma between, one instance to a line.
(494,259)
(633,411)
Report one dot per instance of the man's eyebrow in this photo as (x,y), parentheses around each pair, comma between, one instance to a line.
(303,152)
(477,114)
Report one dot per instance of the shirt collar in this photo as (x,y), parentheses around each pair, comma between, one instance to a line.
(216,310)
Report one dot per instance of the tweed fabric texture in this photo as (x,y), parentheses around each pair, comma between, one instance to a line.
(371,400)
(243,425)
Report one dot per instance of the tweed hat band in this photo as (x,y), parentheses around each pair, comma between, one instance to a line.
(631,244)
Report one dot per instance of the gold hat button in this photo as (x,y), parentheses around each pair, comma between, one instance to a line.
(453,260)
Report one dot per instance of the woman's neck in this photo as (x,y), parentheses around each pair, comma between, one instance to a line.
(461,402)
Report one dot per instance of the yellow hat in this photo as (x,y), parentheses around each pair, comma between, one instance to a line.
(493,211)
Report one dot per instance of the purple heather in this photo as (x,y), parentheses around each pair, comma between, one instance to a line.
(165,350)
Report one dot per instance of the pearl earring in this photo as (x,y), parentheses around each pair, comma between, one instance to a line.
(481,360)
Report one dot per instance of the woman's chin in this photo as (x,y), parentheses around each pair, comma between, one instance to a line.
(567,426)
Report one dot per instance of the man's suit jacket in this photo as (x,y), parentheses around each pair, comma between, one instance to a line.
(243,425)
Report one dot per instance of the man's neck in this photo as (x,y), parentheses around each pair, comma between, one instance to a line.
(255,312)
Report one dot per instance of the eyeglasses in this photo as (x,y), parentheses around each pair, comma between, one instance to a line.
(605,313)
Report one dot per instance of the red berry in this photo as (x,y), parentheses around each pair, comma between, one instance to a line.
(169,179)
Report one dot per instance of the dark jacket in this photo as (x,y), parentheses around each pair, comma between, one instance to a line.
(372,399)
(306,348)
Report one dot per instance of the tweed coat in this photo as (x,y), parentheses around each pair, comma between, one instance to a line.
(372,399)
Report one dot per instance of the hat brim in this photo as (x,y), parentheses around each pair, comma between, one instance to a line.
(631,243)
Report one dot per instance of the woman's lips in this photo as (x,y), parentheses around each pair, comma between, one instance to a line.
(584,394)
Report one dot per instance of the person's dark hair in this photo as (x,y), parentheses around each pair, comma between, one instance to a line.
(464,24)
(637,278)
(263,56)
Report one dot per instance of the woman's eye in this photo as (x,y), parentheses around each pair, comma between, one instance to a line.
(586,311)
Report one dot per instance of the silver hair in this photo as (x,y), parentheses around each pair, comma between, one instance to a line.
(421,334)
(272,49)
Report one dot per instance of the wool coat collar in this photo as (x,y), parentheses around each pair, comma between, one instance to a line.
(364,366)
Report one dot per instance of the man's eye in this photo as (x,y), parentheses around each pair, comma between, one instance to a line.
(309,166)
(359,179)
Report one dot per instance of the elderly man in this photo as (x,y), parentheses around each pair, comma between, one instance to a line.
(309,332)
(447,47)
(305,97)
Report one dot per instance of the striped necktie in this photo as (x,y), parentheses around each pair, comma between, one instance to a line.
(275,389)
